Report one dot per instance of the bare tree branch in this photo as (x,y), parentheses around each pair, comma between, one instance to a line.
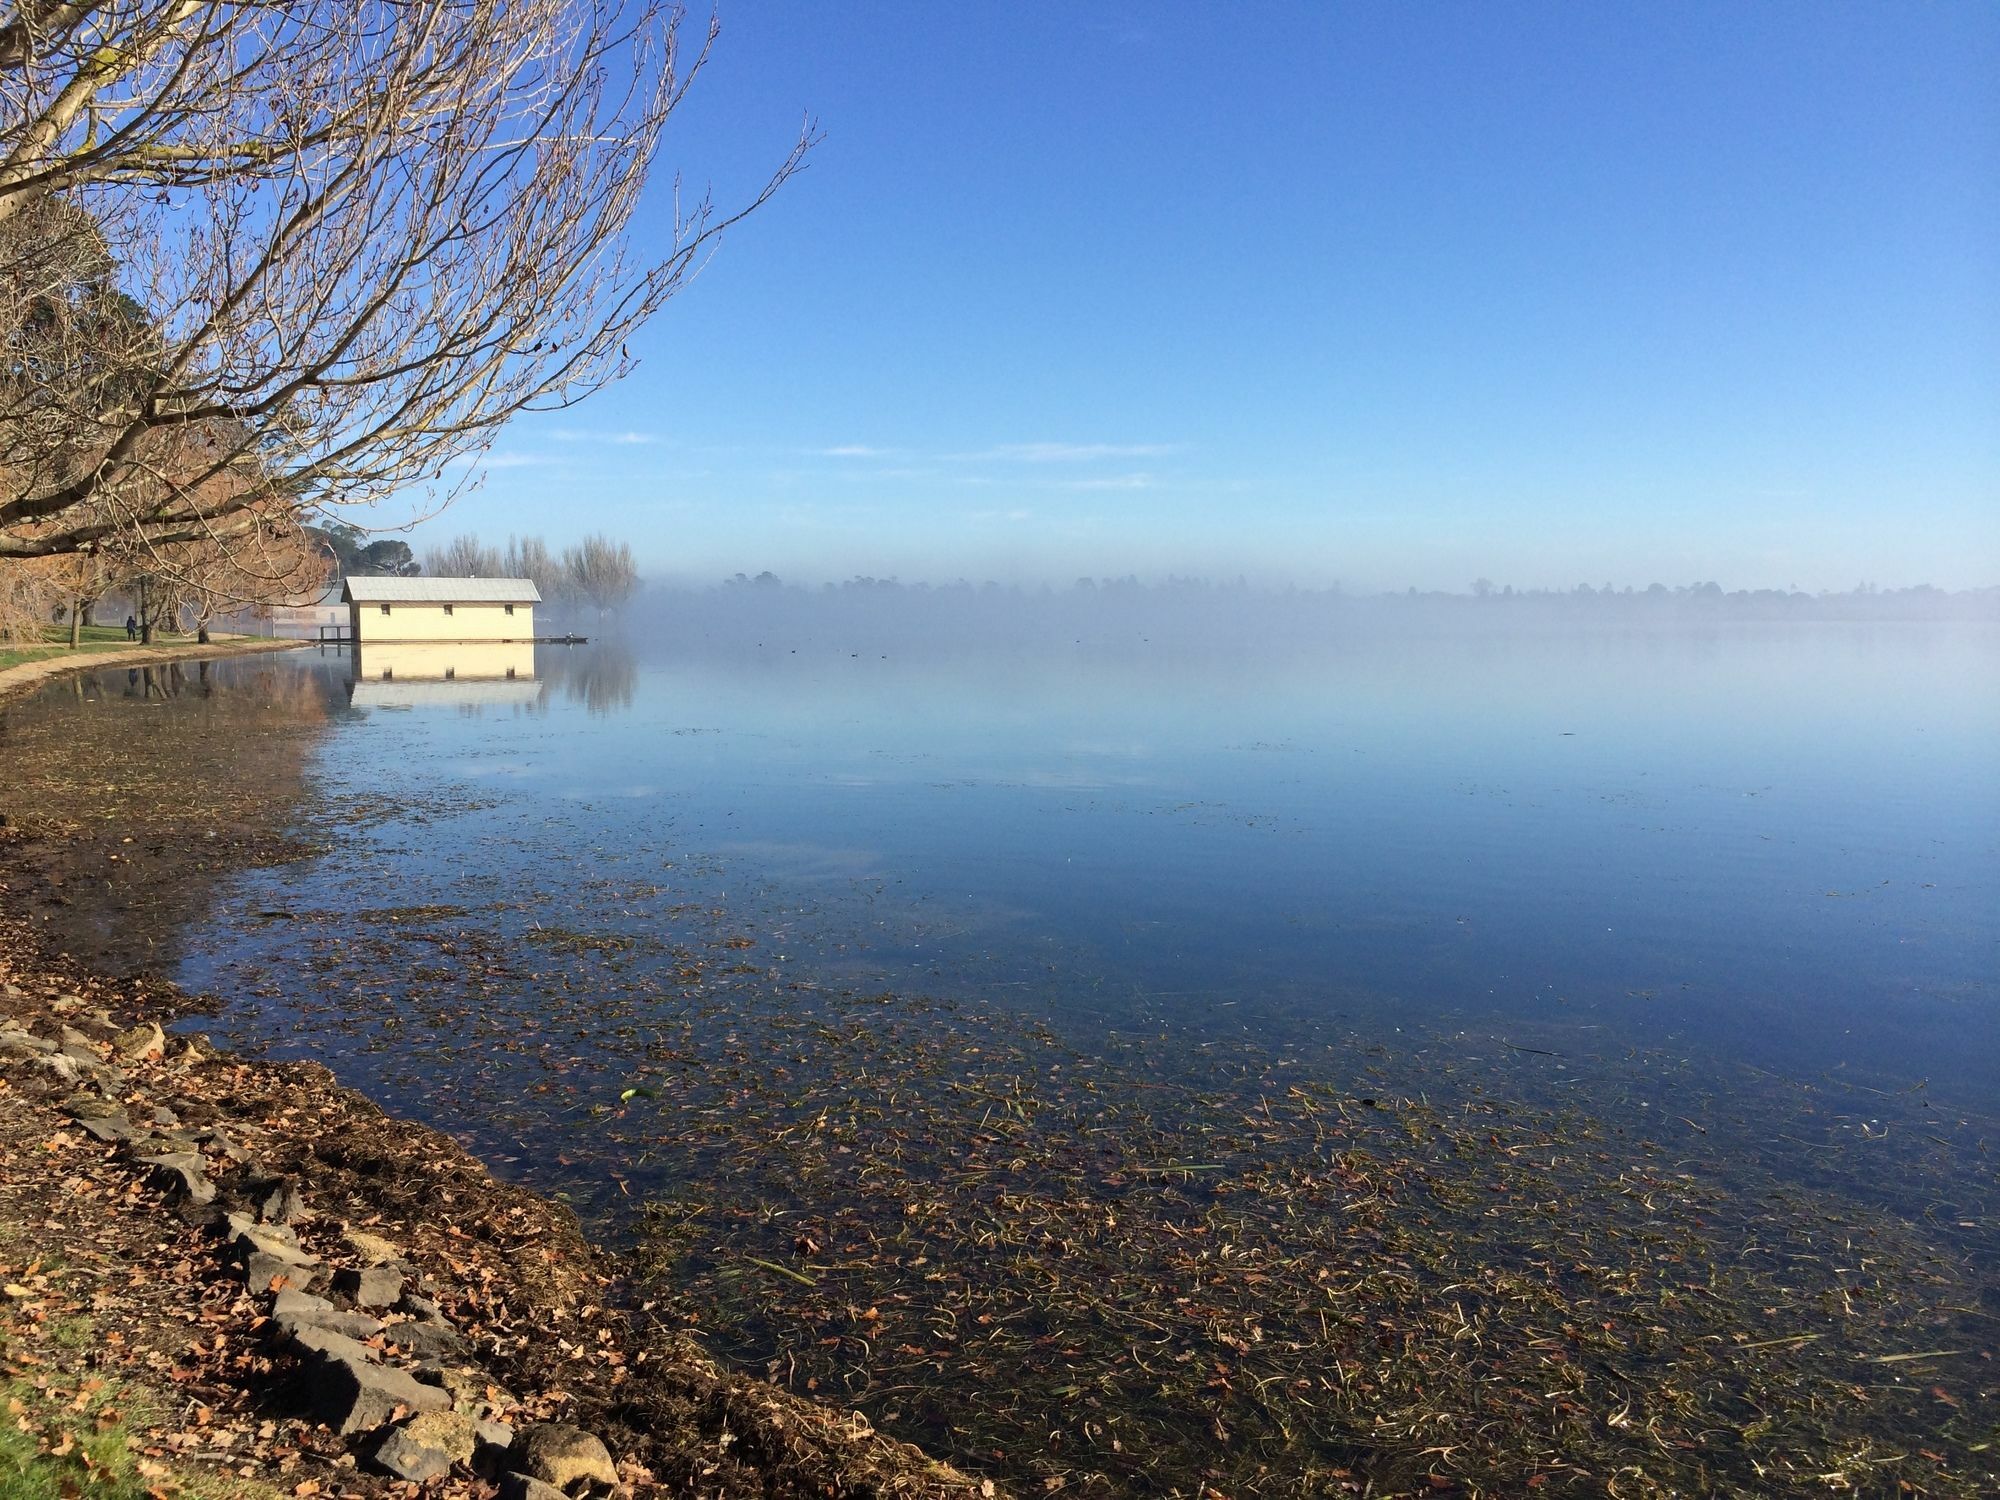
(340,242)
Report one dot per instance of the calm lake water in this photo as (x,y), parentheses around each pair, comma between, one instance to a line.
(610,919)
(1776,845)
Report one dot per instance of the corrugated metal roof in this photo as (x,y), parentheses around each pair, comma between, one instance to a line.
(441,591)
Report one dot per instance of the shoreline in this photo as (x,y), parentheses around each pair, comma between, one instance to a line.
(240,1271)
(1464,1202)
(24,677)
(164,1204)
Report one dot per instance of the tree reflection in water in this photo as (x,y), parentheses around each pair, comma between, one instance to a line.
(603,677)
(131,790)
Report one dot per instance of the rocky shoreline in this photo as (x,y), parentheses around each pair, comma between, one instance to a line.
(286,1289)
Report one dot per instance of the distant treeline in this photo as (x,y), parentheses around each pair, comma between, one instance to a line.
(596,571)
(1863,600)
(1188,611)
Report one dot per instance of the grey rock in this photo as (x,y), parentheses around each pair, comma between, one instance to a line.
(495,1435)
(139,1043)
(521,1487)
(351,1325)
(293,1311)
(426,1340)
(299,1304)
(186,1160)
(350,1392)
(92,1106)
(275,1240)
(64,1068)
(71,1037)
(166,1117)
(277,1200)
(426,1446)
(372,1249)
(91,1066)
(561,1455)
(421,1307)
(471,1388)
(109,1126)
(180,1173)
(216,1139)
(267,1273)
(23,1044)
(374,1286)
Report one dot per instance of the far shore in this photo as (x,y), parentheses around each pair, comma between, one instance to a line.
(25,676)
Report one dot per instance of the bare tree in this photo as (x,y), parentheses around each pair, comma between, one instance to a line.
(353,236)
(602,571)
(529,557)
(78,580)
(464,556)
(277,563)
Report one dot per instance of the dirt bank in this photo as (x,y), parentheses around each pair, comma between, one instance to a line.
(156,1198)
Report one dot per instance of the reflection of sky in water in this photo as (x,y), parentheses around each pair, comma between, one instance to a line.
(1779,843)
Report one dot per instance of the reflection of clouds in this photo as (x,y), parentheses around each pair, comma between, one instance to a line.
(807,861)
(1073,779)
(1110,749)
(515,770)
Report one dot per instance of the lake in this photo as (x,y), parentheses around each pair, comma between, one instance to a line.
(1037,1047)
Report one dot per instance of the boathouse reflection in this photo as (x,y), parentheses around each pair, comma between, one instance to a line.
(462,674)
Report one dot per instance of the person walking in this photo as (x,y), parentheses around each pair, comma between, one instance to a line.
(131,627)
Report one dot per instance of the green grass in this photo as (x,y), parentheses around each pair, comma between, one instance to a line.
(62,1444)
(95,638)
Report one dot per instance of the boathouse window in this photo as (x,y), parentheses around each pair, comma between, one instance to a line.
(447,609)
(510,609)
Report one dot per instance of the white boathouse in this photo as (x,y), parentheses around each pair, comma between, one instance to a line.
(383,610)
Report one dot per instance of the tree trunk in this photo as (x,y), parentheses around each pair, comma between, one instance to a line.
(75,626)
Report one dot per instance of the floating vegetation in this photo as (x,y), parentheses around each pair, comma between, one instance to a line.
(1111,1272)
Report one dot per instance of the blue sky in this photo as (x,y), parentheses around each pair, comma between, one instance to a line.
(1382,293)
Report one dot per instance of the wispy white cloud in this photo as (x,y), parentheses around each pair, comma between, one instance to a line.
(625,438)
(1069,453)
(1111,482)
(1020,453)
(498,461)
(999,515)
